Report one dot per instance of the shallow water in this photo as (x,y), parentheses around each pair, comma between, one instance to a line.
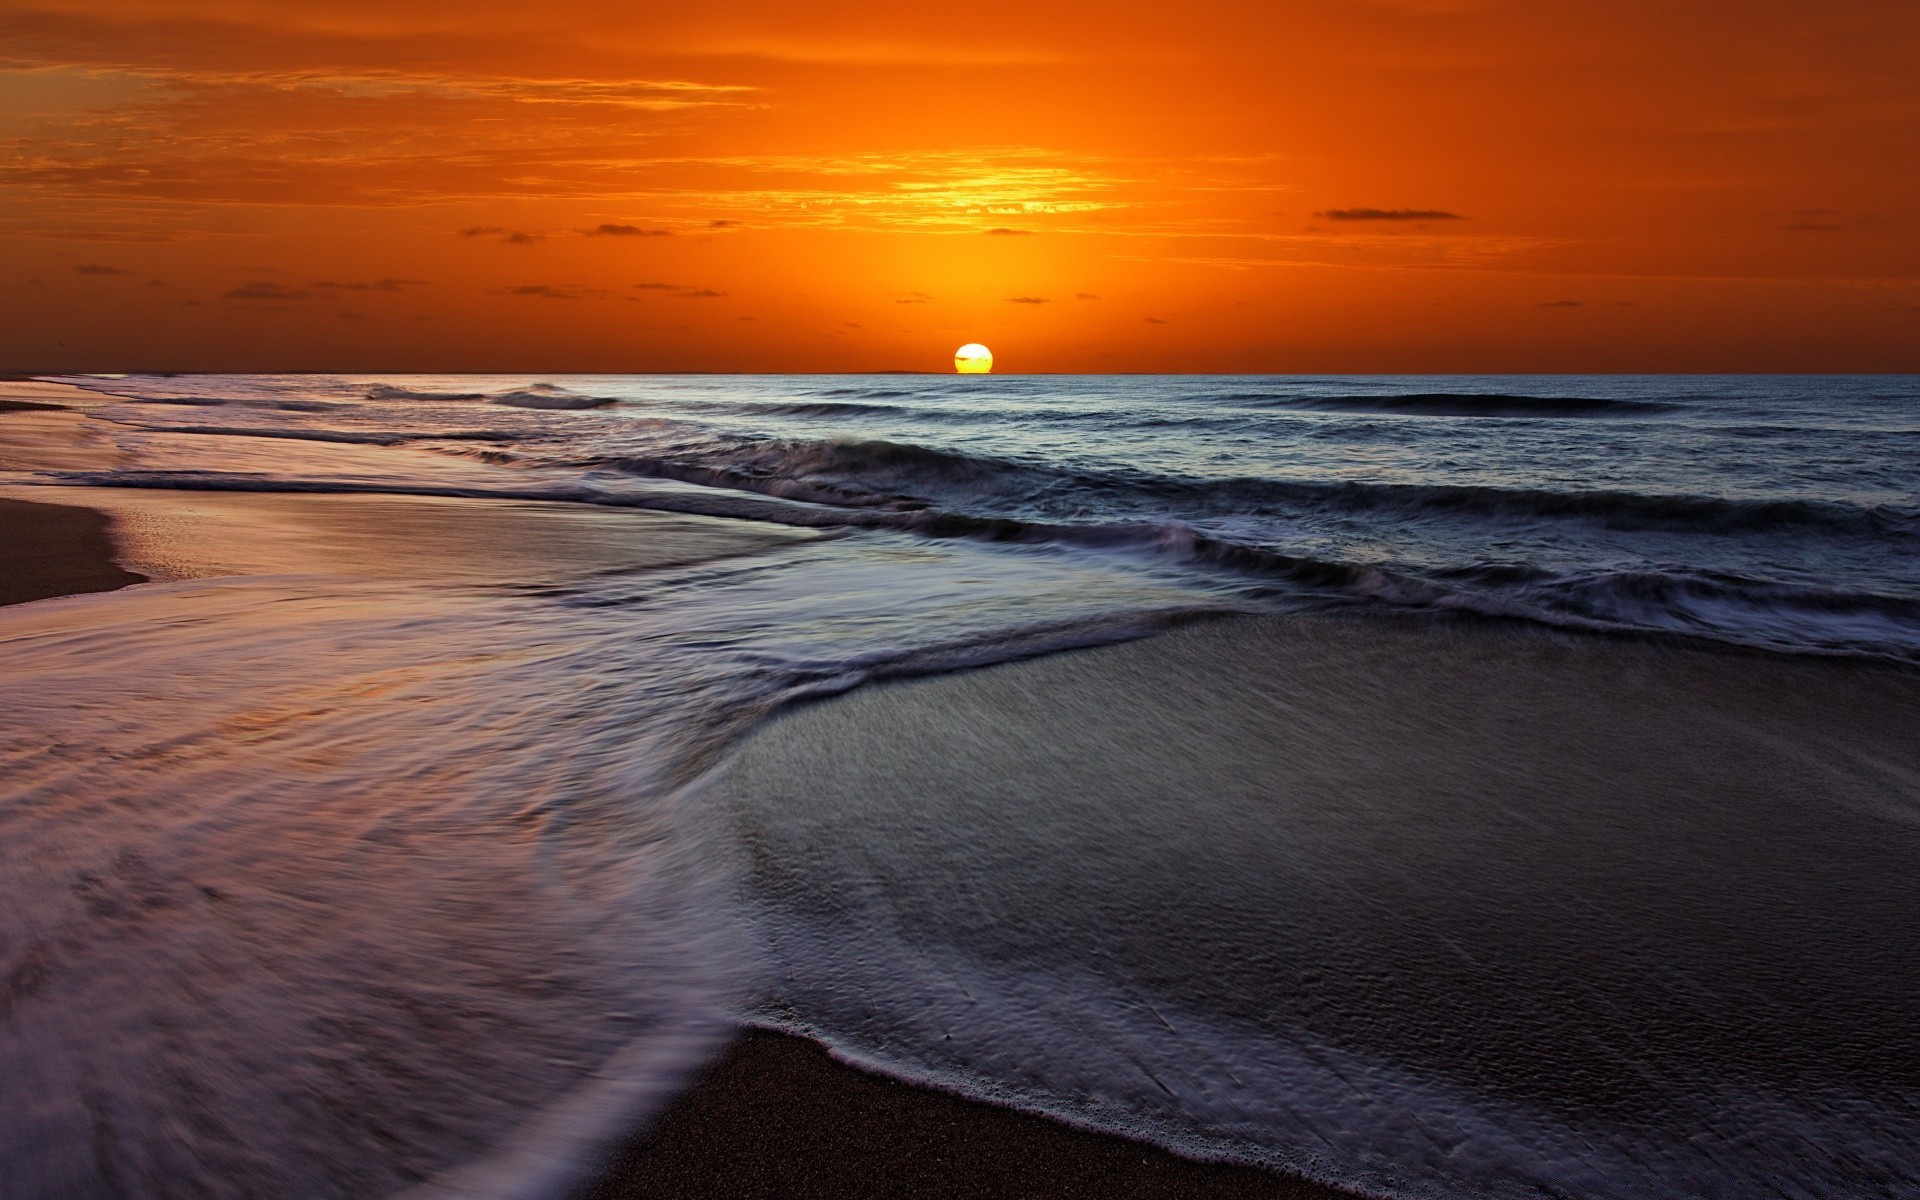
(328,886)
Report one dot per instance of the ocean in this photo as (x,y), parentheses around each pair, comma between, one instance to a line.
(500,900)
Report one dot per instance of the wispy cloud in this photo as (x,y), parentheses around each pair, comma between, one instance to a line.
(1561,304)
(1152,321)
(1388,214)
(267,290)
(680,291)
(912,298)
(627,231)
(379,285)
(507,237)
(1005,231)
(1028,300)
(99,269)
(1085,296)
(545,291)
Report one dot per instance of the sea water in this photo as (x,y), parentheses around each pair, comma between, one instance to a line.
(335,887)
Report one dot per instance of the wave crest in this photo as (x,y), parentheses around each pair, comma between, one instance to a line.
(1460,404)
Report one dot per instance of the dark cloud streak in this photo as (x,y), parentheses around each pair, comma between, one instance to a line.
(508,237)
(1389,214)
(388,284)
(261,289)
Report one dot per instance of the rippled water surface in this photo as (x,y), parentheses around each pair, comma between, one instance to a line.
(1779,511)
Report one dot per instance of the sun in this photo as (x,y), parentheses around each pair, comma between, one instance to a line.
(973,359)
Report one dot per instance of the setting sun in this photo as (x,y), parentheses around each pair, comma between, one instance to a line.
(973,359)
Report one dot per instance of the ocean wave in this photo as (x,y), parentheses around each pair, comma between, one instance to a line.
(880,473)
(387,391)
(1460,404)
(820,408)
(547,395)
(1617,509)
(855,472)
(1722,607)
(533,395)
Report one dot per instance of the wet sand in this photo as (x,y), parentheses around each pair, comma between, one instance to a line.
(171,535)
(1579,875)
(779,1117)
(50,550)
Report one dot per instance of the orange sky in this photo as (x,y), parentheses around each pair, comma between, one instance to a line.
(1335,185)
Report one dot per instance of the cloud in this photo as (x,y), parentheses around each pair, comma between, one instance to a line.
(609,230)
(540,291)
(1028,300)
(261,289)
(1085,296)
(508,237)
(388,284)
(1388,214)
(681,291)
(724,225)
(1155,321)
(1003,231)
(99,269)
(1561,304)
(912,298)
(1810,227)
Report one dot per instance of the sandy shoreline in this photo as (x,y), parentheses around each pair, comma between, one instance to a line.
(776,1116)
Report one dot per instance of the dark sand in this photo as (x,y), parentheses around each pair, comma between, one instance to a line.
(778,1117)
(51,550)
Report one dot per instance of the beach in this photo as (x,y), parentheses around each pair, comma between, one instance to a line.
(775,1116)
(548,843)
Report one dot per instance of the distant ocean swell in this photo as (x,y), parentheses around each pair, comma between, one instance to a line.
(896,475)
